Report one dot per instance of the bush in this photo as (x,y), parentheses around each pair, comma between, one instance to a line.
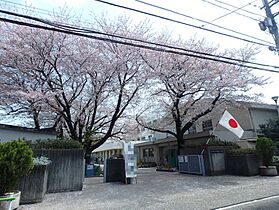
(15,162)
(42,160)
(275,159)
(97,170)
(266,149)
(241,151)
(55,144)
(212,142)
(271,130)
(222,143)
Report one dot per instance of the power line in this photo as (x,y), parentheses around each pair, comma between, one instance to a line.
(203,21)
(86,30)
(244,10)
(183,23)
(216,5)
(233,11)
(45,12)
(129,44)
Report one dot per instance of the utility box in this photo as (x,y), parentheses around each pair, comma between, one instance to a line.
(89,171)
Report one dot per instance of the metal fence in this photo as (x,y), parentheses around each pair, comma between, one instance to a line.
(192,164)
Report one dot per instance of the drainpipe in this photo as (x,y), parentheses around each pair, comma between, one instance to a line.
(252,122)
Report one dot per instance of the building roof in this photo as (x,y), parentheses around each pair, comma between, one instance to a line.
(173,139)
(109,145)
(50,131)
(262,106)
(113,144)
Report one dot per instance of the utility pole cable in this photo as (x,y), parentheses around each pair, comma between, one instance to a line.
(270,23)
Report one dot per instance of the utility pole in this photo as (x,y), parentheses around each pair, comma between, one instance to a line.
(270,23)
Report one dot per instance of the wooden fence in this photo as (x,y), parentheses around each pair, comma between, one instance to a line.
(66,170)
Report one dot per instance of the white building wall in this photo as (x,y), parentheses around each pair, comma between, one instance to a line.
(148,135)
(7,135)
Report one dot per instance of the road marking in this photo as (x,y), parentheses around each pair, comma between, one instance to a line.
(248,202)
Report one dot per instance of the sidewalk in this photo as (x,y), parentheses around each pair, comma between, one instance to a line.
(162,190)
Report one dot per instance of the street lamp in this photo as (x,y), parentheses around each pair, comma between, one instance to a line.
(275,99)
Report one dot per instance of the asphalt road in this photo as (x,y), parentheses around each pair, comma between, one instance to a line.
(167,191)
(269,203)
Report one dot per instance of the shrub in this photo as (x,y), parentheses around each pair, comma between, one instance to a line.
(275,159)
(222,143)
(241,151)
(271,130)
(15,162)
(42,160)
(97,170)
(55,144)
(266,148)
(212,142)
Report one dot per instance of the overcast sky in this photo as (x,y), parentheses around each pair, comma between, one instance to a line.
(196,8)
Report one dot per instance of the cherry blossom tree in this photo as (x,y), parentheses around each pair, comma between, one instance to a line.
(87,85)
(187,88)
(21,88)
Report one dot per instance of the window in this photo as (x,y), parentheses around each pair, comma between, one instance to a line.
(207,125)
(145,152)
(148,152)
(192,129)
(150,137)
(143,138)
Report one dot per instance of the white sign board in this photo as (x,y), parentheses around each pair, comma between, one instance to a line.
(130,160)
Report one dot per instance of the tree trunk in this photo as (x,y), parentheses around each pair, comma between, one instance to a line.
(87,156)
(178,147)
(180,143)
(36,119)
(88,151)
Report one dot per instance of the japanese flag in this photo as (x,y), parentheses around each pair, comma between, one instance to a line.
(231,124)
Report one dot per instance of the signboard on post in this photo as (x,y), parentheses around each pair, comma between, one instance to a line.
(130,160)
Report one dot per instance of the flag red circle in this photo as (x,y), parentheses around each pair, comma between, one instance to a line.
(233,123)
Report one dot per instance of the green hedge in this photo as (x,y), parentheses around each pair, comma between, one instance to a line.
(210,143)
(55,144)
(241,151)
